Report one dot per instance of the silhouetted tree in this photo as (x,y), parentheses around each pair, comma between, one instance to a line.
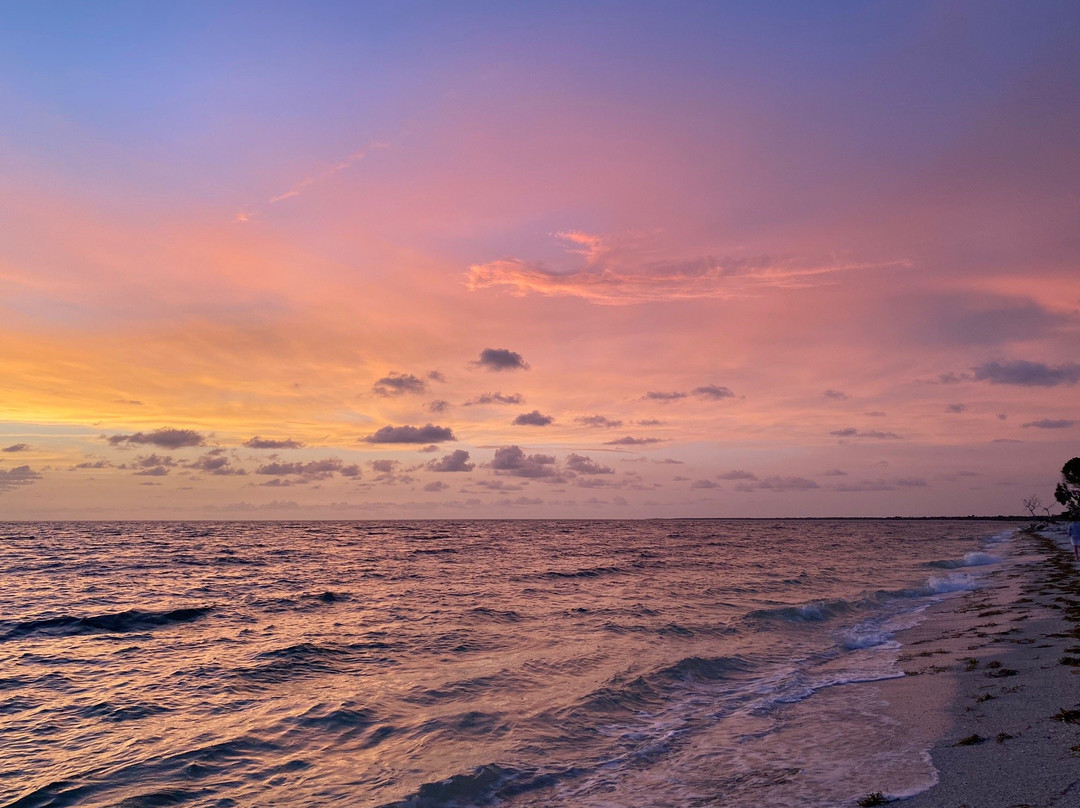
(1032,504)
(1068,490)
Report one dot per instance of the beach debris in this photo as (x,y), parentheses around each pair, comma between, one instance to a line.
(1068,716)
(873,798)
(970,740)
(1003,736)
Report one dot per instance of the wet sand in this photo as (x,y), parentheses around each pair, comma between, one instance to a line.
(991,678)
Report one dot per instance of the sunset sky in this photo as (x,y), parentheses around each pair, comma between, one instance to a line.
(581,259)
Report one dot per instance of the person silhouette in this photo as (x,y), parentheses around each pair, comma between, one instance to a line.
(1074,535)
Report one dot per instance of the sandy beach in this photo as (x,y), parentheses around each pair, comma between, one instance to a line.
(993,683)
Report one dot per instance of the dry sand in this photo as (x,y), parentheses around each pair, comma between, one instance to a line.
(989,675)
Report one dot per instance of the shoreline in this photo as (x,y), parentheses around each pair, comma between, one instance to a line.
(989,677)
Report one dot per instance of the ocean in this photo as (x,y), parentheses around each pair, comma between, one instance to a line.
(462,663)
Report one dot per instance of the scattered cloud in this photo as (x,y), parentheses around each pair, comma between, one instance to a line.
(153,465)
(631,441)
(834,473)
(312,470)
(878,485)
(737,474)
(520,501)
(707,391)
(271,443)
(431,447)
(437,406)
(703,484)
(399,384)
(165,438)
(429,433)
(497,485)
(499,359)
(650,422)
(155,471)
(217,463)
(513,461)
(93,464)
(851,432)
(496,398)
(534,418)
(1027,374)
(875,414)
(436,376)
(16,447)
(778,484)
(1049,423)
(862,485)
(956,408)
(712,391)
(437,485)
(458,460)
(386,471)
(837,395)
(582,464)
(17,477)
(599,421)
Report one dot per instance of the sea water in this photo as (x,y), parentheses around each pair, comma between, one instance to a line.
(460,663)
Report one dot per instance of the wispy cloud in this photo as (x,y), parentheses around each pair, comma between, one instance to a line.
(628,270)
(321,176)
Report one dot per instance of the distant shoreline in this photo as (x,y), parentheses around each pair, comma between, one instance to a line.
(998,518)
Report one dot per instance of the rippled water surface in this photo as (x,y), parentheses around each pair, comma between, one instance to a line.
(675,663)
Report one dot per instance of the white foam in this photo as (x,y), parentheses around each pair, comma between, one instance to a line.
(940,585)
(873,639)
(979,559)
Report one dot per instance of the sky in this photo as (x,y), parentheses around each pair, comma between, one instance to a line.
(530,260)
